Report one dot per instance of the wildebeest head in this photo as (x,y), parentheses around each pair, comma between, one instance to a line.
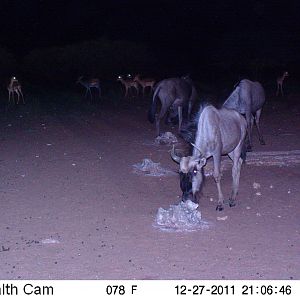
(191,174)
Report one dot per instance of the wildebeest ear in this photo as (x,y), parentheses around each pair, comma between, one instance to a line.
(201,162)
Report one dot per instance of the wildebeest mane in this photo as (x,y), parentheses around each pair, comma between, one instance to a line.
(189,129)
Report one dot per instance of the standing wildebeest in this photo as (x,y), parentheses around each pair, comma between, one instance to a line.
(219,132)
(248,99)
(175,94)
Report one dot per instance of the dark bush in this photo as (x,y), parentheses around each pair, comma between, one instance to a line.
(8,64)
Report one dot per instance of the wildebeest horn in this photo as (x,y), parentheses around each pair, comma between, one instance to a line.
(174,156)
(196,147)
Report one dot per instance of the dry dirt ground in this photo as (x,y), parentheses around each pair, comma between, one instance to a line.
(72,208)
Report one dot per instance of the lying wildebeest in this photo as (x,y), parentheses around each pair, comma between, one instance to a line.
(219,132)
(175,95)
(248,99)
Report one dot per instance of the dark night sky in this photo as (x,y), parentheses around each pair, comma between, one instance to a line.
(189,27)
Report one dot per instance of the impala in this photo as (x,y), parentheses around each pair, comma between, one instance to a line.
(280,83)
(128,84)
(88,84)
(14,87)
(144,83)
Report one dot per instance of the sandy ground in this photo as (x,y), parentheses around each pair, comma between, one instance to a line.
(72,207)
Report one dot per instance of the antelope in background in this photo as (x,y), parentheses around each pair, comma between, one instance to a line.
(15,87)
(280,81)
(89,84)
(144,83)
(129,83)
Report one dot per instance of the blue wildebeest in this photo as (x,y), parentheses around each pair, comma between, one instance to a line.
(174,94)
(219,132)
(248,99)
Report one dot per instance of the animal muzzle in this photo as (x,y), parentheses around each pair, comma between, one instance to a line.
(186,186)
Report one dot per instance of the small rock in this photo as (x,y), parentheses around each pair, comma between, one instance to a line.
(49,241)
(256,185)
(222,218)
(258,194)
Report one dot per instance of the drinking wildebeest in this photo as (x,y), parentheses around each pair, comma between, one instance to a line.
(248,99)
(219,132)
(175,94)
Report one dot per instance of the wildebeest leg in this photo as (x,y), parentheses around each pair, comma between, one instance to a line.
(249,119)
(180,117)
(189,110)
(277,92)
(257,117)
(162,113)
(217,177)
(236,171)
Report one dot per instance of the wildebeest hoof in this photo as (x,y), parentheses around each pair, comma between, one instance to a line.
(249,149)
(262,142)
(232,203)
(219,207)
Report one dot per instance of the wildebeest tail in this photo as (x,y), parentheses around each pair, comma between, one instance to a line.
(153,108)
